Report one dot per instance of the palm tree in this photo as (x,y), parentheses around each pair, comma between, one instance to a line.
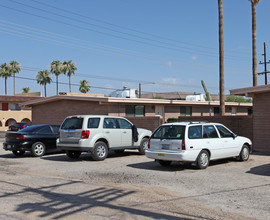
(5,73)
(221,59)
(56,69)
(25,90)
(43,78)
(14,68)
(69,69)
(84,86)
(254,46)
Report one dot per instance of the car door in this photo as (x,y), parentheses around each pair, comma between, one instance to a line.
(212,141)
(230,146)
(125,129)
(112,132)
(46,136)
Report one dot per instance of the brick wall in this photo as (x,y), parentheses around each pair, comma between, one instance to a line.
(150,123)
(241,125)
(56,112)
(261,123)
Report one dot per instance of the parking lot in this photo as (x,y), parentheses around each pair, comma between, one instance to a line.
(131,186)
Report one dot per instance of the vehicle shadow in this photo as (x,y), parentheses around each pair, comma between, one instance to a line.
(87,156)
(263,170)
(56,204)
(176,166)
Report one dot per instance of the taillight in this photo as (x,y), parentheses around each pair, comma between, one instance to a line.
(148,144)
(183,145)
(20,137)
(85,134)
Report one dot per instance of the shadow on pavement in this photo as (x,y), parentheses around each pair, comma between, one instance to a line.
(58,205)
(263,170)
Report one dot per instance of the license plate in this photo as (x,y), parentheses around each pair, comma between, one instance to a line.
(165,146)
(8,147)
(70,135)
(162,155)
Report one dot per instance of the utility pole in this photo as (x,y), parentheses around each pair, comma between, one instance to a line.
(140,90)
(265,65)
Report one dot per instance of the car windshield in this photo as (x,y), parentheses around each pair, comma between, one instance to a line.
(72,123)
(169,132)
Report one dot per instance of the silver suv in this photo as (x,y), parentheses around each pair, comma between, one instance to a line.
(98,134)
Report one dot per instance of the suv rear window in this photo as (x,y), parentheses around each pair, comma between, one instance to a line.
(72,123)
(93,122)
(170,132)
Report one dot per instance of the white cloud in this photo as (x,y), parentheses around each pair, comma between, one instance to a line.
(169,63)
(194,57)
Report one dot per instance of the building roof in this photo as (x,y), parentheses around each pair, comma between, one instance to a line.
(174,95)
(136,101)
(250,91)
(18,99)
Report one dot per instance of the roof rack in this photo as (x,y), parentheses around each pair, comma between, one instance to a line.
(195,122)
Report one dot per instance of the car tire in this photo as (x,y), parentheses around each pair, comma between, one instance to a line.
(143,146)
(38,149)
(119,152)
(244,154)
(73,154)
(165,163)
(18,153)
(203,159)
(100,151)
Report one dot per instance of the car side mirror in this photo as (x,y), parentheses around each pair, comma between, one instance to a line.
(234,135)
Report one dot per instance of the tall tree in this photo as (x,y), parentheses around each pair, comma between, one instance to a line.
(56,69)
(43,78)
(14,68)
(25,90)
(69,68)
(254,45)
(5,73)
(221,59)
(84,86)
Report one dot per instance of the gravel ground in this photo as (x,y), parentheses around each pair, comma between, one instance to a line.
(131,186)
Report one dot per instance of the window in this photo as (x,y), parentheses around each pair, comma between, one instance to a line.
(234,110)
(109,123)
(195,132)
(72,123)
(135,110)
(4,106)
(185,110)
(14,107)
(250,111)
(224,132)
(216,110)
(93,122)
(209,131)
(170,132)
(124,124)
(44,130)
(55,128)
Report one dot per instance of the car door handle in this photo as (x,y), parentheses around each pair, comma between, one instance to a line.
(107,132)
(124,132)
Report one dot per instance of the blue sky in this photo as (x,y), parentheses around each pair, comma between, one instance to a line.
(167,45)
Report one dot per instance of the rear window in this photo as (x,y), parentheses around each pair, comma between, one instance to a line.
(169,132)
(72,123)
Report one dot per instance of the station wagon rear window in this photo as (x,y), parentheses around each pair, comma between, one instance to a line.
(72,123)
(169,132)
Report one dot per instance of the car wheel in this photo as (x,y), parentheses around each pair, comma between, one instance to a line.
(100,151)
(244,154)
(203,159)
(143,146)
(73,154)
(164,163)
(38,149)
(18,153)
(119,151)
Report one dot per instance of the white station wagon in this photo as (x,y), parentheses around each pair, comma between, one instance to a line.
(197,142)
(98,134)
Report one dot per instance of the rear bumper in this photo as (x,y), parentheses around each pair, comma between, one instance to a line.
(189,156)
(72,147)
(10,146)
